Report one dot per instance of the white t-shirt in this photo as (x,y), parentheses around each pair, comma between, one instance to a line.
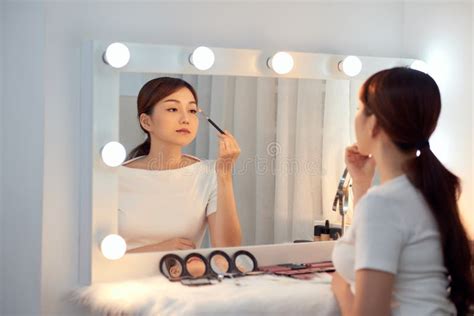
(394,231)
(158,205)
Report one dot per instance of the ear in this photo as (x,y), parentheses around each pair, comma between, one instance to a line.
(374,127)
(145,121)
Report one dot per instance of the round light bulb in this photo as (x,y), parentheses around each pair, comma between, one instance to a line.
(113,154)
(281,63)
(351,66)
(113,247)
(117,55)
(202,58)
(420,66)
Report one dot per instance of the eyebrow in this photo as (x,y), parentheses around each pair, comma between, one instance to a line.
(177,101)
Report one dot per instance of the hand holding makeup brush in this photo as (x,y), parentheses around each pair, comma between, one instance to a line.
(229,151)
(362,171)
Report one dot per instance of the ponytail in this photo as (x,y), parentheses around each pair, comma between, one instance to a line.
(407,105)
(141,150)
(441,190)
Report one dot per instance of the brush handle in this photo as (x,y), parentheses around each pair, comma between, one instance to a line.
(215,125)
(211,121)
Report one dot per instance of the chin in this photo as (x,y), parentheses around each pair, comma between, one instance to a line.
(184,144)
(181,142)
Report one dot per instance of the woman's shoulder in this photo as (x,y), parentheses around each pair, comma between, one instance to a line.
(136,162)
(190,159)
(207,167)
(381,208)
(205,163)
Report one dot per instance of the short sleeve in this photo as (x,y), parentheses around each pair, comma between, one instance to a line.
(379,234)
(212,201)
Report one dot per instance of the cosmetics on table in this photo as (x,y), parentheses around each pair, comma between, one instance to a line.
(202,270)
(196,269)
(326,232)
(325,236)
(306,271)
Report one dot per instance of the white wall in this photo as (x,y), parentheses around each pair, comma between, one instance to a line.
(1,148)
(365,29)
(22,157)
(443,38)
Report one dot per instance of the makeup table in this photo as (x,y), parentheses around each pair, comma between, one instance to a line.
(134,285)
(262,295)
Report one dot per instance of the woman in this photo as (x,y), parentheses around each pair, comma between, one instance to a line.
(407,252)
(166,198)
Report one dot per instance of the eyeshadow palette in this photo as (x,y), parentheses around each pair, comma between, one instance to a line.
(300,271)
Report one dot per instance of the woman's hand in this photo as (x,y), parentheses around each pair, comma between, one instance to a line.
(229,151)
(373,293)
(224,225)
(342,291)
(167,245)
(175,244)
(361,168)
(338,284)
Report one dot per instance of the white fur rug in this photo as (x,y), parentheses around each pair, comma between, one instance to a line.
(255,295)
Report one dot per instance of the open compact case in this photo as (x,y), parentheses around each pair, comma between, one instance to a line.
(195,269)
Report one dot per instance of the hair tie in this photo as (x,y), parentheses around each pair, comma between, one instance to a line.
(423,144)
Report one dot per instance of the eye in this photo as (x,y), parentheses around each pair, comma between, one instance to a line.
(193,111)
(172,109)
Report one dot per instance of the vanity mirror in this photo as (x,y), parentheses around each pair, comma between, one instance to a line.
(291,114)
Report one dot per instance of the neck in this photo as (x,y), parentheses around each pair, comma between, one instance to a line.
(390,161)
(164,155)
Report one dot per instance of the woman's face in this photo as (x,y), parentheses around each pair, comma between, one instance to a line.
(364,125)
(174,119)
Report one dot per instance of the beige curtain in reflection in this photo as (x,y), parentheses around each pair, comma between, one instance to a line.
(287,173)
(339,111)
(279,126)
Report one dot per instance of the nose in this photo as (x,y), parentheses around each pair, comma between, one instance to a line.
(184,119)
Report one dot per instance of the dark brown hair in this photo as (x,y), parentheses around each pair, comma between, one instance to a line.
(407,104)
(150,94)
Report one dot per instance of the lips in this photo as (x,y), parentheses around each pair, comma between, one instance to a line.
(183,130)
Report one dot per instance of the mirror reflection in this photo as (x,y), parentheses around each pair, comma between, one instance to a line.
(283,147)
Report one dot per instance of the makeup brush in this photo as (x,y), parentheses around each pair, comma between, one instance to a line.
(211,121)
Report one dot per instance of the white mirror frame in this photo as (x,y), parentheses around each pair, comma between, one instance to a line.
(100,85)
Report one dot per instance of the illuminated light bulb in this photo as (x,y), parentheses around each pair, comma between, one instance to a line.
(202,58)
(113,247)
(420,66)
(281,63)
(113,154)
(351,66)
(117,55)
